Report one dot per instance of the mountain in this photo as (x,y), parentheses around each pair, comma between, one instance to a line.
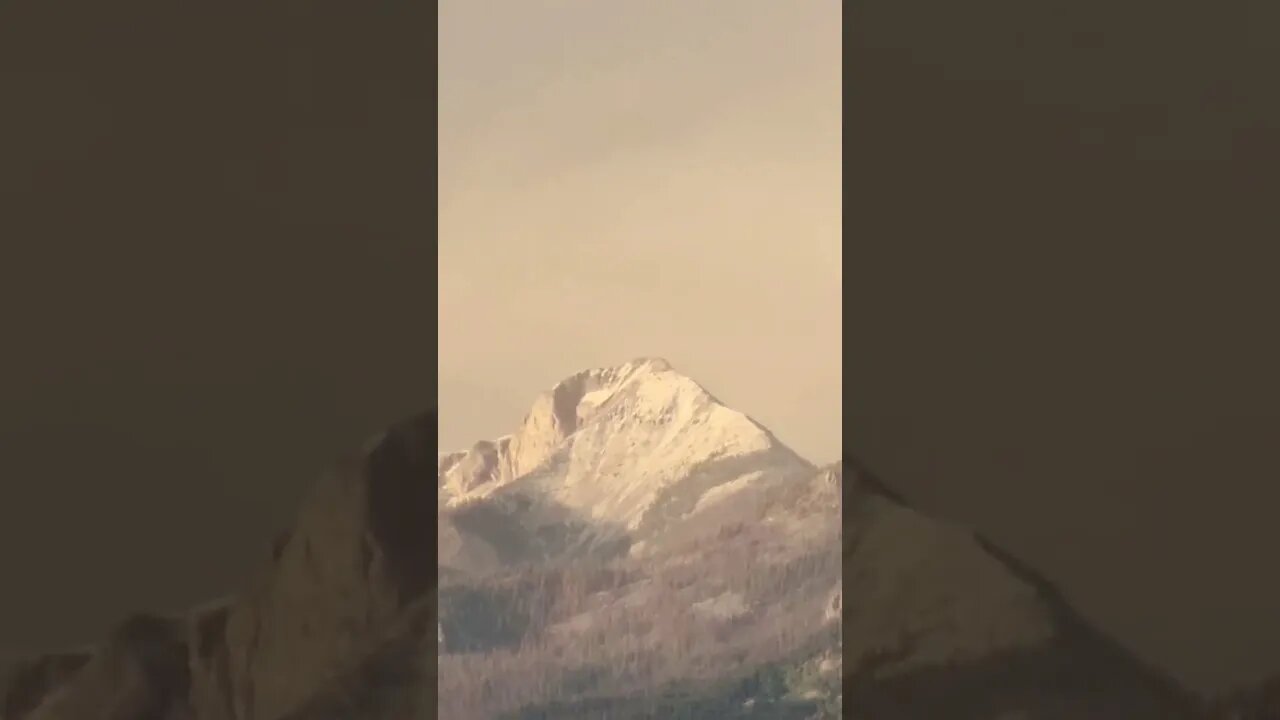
(634,549)
(332,590)
(632,532)
(610,460)
(631,509)
(939,622)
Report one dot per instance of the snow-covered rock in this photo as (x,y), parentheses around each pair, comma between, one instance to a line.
(627,450)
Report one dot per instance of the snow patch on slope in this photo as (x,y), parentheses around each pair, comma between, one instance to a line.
(723,491)
(725,606)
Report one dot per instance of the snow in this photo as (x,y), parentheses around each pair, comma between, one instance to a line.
(722,492)
(611,442)
(725,606)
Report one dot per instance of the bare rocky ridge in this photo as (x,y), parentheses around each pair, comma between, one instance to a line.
(635,548)
(343,576)
(977,635)
(353,562)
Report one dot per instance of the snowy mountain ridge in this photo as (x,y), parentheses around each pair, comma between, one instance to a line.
(622,445)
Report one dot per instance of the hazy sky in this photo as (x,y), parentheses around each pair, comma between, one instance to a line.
(622,179)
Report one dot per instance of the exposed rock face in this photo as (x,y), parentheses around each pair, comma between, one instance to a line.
(337,583)
(353,562)
(832,613)
(940,623)
(964,603)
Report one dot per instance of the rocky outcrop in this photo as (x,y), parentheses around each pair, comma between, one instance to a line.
(939,622)
(355,559)
(342,578)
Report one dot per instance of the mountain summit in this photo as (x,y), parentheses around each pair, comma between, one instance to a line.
(629,448)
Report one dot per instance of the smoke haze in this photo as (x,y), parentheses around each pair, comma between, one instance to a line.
(631,179)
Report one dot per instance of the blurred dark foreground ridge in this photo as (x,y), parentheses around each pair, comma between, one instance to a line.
(347,619)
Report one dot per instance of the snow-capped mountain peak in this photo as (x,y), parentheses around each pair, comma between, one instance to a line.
(612,442)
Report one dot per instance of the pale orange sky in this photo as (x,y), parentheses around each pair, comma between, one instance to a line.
(620,179)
